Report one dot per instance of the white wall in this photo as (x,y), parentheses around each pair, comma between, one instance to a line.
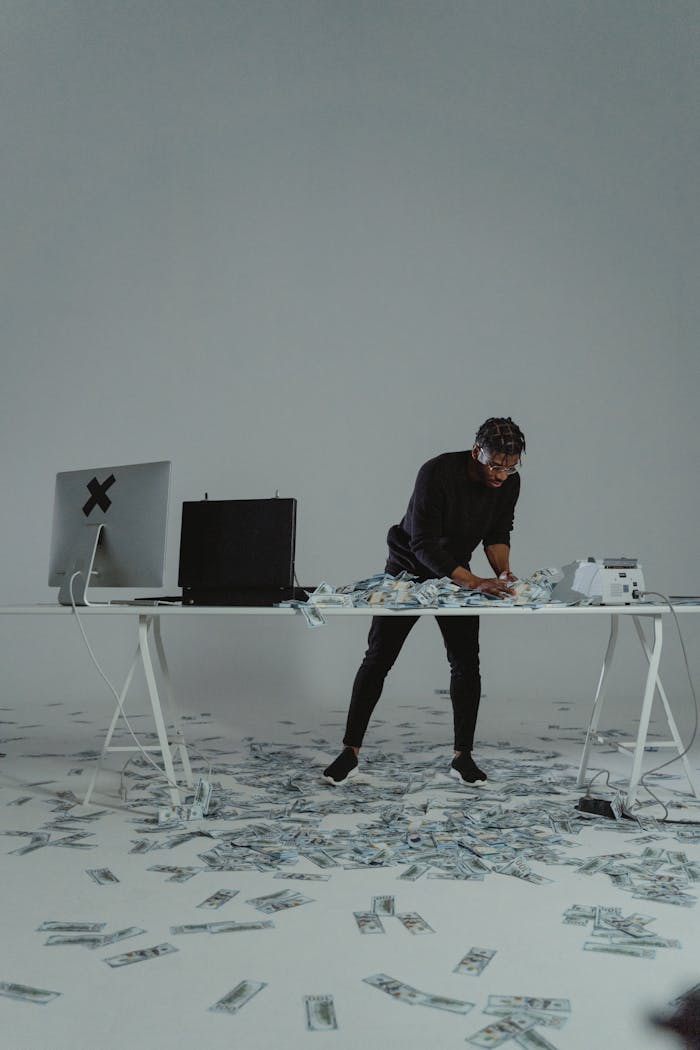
(309,245)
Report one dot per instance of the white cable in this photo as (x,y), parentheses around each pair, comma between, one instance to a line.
(114,691)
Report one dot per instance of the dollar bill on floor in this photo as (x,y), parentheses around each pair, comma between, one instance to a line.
(413,872)
(320,1013)
(634,950)
(500,1032)
(140,955)
(216,900)
(274,902)
(475,961)
(303,876)
(533,1040)
(102,876)
(37,841)
(58,926)
(240,927)
(368,922)
(191,927)
(238,997)
(384,905)
(26,993)
(404,993)
(509,1004)
(177,873)
(414,922)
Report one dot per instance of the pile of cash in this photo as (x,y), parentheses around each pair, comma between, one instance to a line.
(406,592)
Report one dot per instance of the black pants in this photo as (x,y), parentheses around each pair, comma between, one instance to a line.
(386,637)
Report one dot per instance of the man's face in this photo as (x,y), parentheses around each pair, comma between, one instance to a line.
(493,467)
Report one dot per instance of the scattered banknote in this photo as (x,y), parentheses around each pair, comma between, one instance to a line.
(274,902)
(26,993)
(238,997)
(102,876)
(239,927)
(58,926)
(94,940)
(405,993)
(191,927)
(414,923)
(177,873)
(216,900)
(302,876)
(140,955)
(509,1004)
(384,905)
(500,1031)
(533,1040)
(36,841)
(368,922)
(636,950)
(413,872)
(320,1013)
(475,961)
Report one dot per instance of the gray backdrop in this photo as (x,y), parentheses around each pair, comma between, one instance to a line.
(306,246)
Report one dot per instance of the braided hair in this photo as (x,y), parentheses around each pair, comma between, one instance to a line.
(501,435)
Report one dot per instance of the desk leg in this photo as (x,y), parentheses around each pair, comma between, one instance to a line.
(112,726)
(598,702)
(172,710)
(677,742)
(144,626)
(654,658)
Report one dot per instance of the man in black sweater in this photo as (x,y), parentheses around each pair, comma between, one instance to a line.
(460,499)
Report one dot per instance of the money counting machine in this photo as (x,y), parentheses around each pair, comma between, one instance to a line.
(611,581)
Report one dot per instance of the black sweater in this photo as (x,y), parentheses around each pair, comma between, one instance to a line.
(448,516)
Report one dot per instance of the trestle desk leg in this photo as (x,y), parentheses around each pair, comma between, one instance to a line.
(144,627)
(112,726)
(598,702)
(173,712)
(654,658)
(673,729)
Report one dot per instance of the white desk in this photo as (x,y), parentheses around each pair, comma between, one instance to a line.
(173,744)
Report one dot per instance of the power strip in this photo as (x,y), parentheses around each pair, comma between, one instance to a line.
(600,806)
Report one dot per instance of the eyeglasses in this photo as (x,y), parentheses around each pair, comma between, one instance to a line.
(496,468)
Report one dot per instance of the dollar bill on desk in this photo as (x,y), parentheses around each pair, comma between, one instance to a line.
(475,961)
(191,927)
(238,997)
(26,993)
(140,955)
(320,1013)
(368,922)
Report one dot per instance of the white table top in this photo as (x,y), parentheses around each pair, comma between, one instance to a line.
(640,609)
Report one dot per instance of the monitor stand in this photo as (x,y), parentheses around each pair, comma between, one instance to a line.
(80,568)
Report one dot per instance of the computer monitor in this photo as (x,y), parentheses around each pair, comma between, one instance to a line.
(109,529)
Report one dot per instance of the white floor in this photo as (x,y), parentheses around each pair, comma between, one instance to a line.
(316,948)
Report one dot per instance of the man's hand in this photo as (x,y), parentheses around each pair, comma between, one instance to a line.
(499,587)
